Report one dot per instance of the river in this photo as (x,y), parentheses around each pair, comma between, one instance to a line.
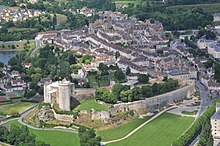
(6,55)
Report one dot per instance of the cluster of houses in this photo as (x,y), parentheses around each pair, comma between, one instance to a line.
(138,44)
(11,85)
(15,15)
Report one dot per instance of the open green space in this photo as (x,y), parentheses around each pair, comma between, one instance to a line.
(15,107)
(54,138)
(160,132)
(91,104)
(6,7)
(190,113)
(121,131)
(211,8)
(127,2)
(15,45)
(61,19)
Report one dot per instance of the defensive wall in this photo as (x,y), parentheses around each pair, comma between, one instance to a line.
(147,104)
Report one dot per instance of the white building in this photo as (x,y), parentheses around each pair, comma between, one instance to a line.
(203,43)
(216,17)
(215,123)
(59,93)
(214,49)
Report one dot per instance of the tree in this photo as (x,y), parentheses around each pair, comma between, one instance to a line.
(117,55)
(64,69)
(126,96)
(143,78)
(116,89)
(88,137)
(103,67)
(36,77)
(119,76)
(146,91)
(136,94)
(128,70)
(1,64)
(101,94)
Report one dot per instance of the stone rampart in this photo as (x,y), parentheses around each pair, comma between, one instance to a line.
(147,104)
(63,117)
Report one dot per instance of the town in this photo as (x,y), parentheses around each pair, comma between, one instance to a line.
(112,80)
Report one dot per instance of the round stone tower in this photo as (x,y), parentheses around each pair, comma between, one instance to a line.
(64,95)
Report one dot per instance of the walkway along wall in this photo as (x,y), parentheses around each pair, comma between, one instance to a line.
(147,104)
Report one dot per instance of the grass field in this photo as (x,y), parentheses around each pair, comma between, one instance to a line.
(190,113)
(91,104)
(7,46)
(121,131)
(127,2)
(15,107)
(212,8)
(54,138)
(160,132)
(61,19)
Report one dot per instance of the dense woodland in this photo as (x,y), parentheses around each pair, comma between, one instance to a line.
(188,2)
(171,19)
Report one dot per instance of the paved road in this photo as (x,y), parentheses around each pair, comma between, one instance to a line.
(37,46)
(205,103)
(139,127)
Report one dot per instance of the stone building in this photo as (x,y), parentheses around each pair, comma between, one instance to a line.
(60,93)
(215,122)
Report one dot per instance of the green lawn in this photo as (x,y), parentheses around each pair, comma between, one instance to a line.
(7,46)
(91,104)
(127,2)
(190,113)
(160,132)
(54,138)
(15,107)
(121,131)
(61,19)
(211,8)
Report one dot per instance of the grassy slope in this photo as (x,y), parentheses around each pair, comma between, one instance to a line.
(122,130)
(15,107)
(160,132)
(212,8)
(54,138)
(91,104)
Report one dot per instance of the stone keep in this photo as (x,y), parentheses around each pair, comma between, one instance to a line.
(59,92)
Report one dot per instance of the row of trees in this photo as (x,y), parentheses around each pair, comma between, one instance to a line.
(125,94)
(196,128)
(19,136)
(205,138)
